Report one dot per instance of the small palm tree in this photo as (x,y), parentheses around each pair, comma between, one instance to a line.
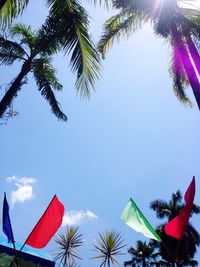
(179,251)
(171,21)
(33,60)
(34,49)
(108,247)
(144,254)
(68,242)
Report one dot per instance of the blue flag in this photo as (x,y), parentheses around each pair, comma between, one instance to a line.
(7,228)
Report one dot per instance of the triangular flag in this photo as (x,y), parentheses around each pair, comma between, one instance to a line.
(47,225)
(7,228)
(190,193)
(134,218)
(177,226)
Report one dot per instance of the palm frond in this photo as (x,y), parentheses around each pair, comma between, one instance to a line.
(10,51)
(176,198)
(9,10)
(179,90)
(143,253)
(25,34)
(161,208)
(190,262)
(131,263)
(179,77)
(47,82)
(44,66)
(132,251)
(195,209)
(120,25)
(191,11)
(68,243)
(107,4)
(72,31)
(49,37)
(195,236)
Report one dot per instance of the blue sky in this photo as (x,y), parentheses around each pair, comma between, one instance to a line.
(132,138)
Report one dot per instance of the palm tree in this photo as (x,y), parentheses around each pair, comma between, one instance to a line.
(169,20)
(108,247)
(144,254)
(179,251)
(66,29)
(68,242)
(36,61)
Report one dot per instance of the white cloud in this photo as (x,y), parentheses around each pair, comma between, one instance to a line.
(74,217)
(24,189)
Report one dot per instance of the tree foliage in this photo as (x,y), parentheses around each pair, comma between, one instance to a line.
(36,61)
(171,249)
(144,254)
(172,22)
(65,29)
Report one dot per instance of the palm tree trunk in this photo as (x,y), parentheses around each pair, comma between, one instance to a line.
(189,69)
(7,99)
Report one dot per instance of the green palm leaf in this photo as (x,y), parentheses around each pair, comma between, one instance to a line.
(118,26)
(72,31)
(10,9)
(10,51)
(48,39)
(178,74)
(47,82)
(25,34)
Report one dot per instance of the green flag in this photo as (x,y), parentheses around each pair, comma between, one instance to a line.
(134,218)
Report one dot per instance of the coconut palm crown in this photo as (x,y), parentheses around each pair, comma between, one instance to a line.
(144,254)
(180,26)
(65,30)
(33,60)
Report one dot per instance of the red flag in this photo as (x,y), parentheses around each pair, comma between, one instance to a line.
(47,225)
(177,226)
